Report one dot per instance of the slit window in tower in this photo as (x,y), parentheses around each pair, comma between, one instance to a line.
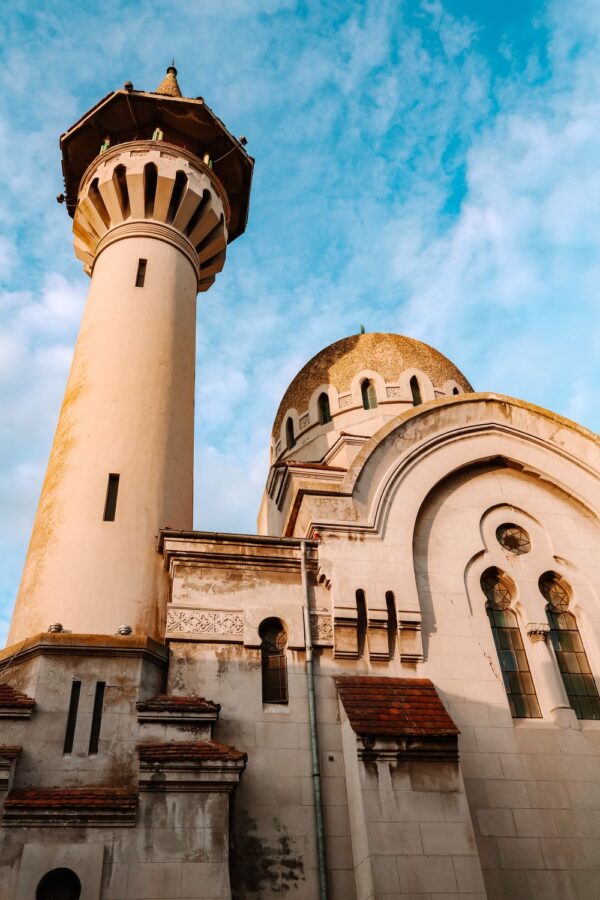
(72,716)
(141,272)
(110,506)
(97,717)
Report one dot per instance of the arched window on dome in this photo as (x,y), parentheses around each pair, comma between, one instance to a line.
(324,409)
(577,677)
(516,674)
(59,884)
(415,390)
(290,437)
(273,661)
(455,391)
(369,394)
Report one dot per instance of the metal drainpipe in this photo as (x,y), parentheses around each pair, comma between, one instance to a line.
(314,737)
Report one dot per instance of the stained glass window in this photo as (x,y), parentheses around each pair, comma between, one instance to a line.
(577,677)
(516,674)
(514,539)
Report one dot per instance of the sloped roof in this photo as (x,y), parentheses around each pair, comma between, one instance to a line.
(394,707)
(188,751)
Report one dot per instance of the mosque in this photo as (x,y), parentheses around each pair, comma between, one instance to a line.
(390,691)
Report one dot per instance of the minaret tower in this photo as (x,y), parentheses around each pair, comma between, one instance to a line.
(157,188)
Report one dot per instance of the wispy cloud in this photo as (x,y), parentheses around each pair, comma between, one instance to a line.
(418,169)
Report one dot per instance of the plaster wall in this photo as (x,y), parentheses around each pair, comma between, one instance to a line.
(532,784)
(128,409)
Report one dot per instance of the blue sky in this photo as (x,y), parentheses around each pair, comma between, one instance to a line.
(428,167)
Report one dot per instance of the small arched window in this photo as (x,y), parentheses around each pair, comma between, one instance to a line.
(455,391)
(369,394)
(415,390)
(290,437)
(273,661)
(516,674)
(59,884)
(570,653)
(324,409)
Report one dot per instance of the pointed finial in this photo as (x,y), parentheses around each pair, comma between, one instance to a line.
(169,86)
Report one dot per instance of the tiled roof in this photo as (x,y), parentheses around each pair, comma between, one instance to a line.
(394,707)
(72,798)
(59,807)
(9,697)
(167,703)
(9,751)
(188,751)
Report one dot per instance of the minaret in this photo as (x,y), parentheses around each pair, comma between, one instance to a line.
(157,188)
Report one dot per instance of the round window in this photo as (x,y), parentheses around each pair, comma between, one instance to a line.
(513,538)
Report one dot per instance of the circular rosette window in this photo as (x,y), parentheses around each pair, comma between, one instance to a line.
(513,539)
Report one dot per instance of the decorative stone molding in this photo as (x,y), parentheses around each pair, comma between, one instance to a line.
(304,422)
(537,631)
(204,623)
(345,402)
(394,393)
(321,628)
(8,762)
(410,637)
(197,766)
(157,185)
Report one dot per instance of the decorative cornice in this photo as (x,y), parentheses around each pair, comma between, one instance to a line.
(48,644)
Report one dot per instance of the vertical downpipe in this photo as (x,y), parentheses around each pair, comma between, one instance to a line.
(314,738)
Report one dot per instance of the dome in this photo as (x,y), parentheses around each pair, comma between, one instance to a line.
(386,354)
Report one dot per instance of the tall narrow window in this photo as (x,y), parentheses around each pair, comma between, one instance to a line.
(390,602)
(273,661)
(369,394)
(290,437)
(516,675)
(361,621)
(415,390)
(72,717)
(110,505)
(141,273)
(570,653)
(324,410)
(97,717)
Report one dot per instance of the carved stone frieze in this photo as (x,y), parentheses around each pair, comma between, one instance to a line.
(394,393)
(205,622)
(537,631)
(321,628)
(346,402)
(304,422)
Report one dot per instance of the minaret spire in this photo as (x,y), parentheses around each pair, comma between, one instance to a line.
(169,85)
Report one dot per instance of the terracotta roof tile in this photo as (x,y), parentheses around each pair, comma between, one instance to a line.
(72,798)
(10,751)
(395,707)
(170,702)
(9,697)
(184,751)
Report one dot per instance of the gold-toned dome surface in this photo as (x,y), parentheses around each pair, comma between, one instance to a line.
(387,354)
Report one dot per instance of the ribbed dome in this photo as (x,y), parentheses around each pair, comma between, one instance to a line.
(387,354)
